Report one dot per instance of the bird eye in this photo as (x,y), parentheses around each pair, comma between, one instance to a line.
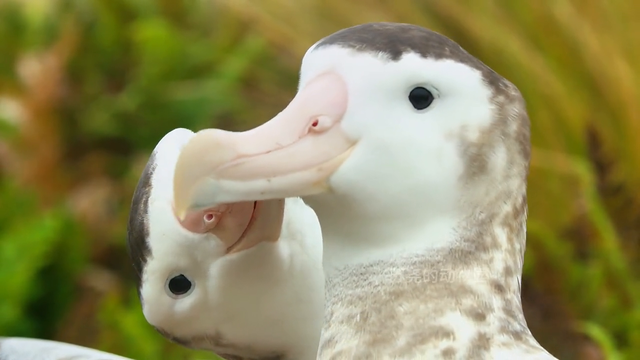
(179,286)
(420,98)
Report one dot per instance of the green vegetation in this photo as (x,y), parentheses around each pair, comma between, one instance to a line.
(88,87)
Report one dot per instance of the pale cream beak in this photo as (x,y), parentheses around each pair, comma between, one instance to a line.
(293,154)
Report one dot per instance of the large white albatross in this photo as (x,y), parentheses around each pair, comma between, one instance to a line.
(414,156)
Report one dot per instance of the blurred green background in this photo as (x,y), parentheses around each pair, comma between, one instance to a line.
(88,87)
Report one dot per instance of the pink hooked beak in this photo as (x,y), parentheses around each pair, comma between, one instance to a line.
(293,154)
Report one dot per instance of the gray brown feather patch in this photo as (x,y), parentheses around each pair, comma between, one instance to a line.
(138,226)
(394,40)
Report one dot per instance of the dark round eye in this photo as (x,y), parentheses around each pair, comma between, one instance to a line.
(179,285)
(420,98)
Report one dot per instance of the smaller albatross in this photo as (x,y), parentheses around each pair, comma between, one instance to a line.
(414,155)
(243,280)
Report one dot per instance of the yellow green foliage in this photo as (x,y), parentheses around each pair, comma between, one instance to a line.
(88,87)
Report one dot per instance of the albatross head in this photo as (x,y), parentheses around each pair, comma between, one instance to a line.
(198,280)
(396,136)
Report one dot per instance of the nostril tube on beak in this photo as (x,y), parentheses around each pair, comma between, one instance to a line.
(211,219)
(320,124)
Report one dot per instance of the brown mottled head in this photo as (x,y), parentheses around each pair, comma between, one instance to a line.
(476,130)
(395,119)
